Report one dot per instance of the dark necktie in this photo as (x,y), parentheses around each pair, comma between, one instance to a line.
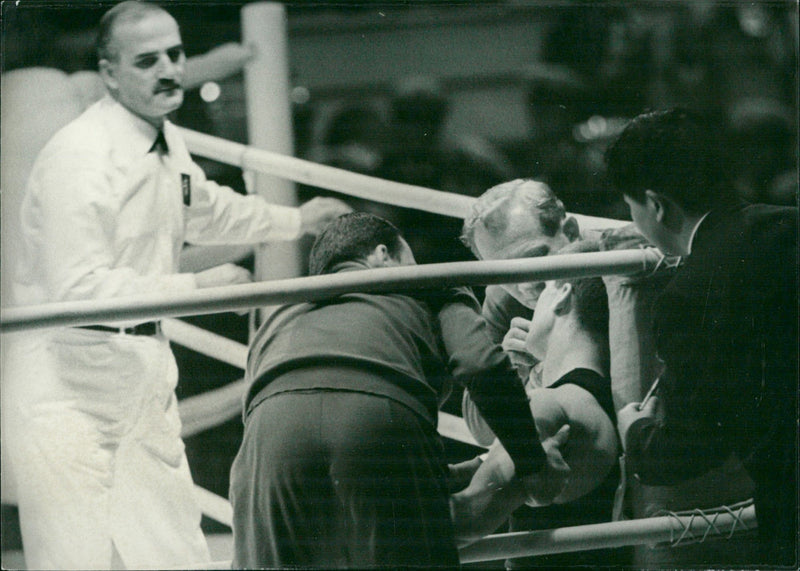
(160,144)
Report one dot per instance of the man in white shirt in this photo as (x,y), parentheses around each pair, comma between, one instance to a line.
(90,418)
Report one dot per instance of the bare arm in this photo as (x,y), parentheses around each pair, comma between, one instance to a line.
(591,450)
(492,494)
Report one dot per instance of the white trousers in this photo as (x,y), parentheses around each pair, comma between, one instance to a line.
(91,429)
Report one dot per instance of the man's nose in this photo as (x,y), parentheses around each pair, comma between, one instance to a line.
(168,69)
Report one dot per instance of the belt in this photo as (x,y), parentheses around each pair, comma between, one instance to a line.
(148,328)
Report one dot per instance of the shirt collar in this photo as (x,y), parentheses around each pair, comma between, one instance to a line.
(694,232)
(138,134)
(349,266)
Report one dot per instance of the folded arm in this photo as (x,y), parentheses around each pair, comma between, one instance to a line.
(569,420)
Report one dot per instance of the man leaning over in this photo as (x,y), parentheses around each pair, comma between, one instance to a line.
(341,464)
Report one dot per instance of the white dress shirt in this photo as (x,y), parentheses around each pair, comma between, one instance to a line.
(104,217)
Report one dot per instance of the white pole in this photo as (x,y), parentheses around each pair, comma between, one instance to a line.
(269,121)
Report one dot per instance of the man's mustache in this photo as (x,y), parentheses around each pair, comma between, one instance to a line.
(166,85)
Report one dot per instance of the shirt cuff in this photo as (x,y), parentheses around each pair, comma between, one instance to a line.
(182,282)
(286,222)
(636,436)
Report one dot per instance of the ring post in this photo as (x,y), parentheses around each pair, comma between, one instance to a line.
(269,122)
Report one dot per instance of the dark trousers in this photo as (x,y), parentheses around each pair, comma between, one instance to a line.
(332,478)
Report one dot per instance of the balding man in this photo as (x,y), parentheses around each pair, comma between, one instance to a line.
(522,218)
(90,416)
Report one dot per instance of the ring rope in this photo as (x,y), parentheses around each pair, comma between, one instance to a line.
(214,506)
(687,534)
(314,288)
(206,342)
(346,182)
(643,531)
(330,178)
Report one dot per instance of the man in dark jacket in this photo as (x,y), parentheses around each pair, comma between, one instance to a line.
(726,324)
(341,464)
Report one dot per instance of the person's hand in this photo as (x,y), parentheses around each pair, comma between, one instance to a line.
(632,412)
(226,274)
(319,212)
(545,486)
(514,346)
(629,237)
(626,237)
(461,473)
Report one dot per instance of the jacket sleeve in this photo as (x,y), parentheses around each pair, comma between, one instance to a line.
(481,366)
(499,308)
(673,450)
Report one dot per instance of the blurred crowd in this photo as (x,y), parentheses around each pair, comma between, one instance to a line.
(599,65)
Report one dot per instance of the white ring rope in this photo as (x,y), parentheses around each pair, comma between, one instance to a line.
(346,182)
(214,506)
(314,288)
(607,535)
(688,534)
(331,178)
(205,342)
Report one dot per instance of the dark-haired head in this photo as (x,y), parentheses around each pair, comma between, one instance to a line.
(569,310)
(352,237)
(673,152)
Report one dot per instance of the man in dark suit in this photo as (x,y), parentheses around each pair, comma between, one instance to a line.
(340,463)
(726,324)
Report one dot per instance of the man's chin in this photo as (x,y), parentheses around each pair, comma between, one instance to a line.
(169,101)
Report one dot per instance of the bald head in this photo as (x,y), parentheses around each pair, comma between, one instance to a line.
(128,12)
(142,60)
(506,214)
(518,219)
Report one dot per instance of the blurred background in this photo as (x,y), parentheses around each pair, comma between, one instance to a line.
(459,96)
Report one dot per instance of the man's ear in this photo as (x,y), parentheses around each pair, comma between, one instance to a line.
(379,257)
(657,204)
(666,211)
(106,69)
(563,299)
(571,229)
